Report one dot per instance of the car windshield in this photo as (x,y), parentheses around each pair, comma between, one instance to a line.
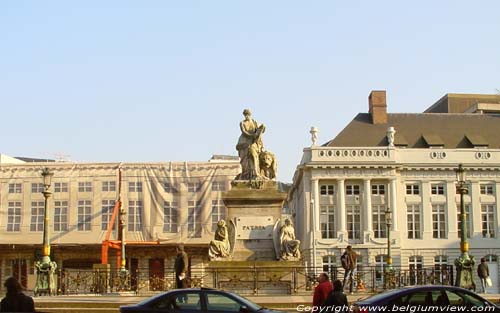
(251,305)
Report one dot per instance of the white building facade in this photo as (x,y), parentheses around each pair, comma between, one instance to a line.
(342,189)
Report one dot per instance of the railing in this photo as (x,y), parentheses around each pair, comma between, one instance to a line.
(248,280)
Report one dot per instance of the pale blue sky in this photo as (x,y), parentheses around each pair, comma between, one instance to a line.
(157,81)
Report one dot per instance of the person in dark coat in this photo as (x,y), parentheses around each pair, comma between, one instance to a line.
(15,300)
(483,272)
(181,267)
(336,297)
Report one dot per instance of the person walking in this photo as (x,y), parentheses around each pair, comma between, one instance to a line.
(322,290)
(15,300)
(349,263)
(336,298)
(483,272)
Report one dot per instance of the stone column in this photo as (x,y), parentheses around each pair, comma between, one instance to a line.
(368,205)
(342,233)
(453,209)
(426,207)
(473,199)
(393,203)
(315,197)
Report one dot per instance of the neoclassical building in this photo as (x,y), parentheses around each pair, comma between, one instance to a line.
(165,204)
(405,162)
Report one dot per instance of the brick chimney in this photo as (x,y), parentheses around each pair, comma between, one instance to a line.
(377,107)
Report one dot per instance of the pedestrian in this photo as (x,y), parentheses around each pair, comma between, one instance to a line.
(181,267)
(349,262)
(484,273)
(337,298)
(15,300)
(322,290)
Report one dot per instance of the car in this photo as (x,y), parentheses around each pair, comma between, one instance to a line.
(430,298)
(197,300)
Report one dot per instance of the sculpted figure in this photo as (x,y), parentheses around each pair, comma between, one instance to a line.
(220,246)
(249,147)
(268,165)
(289,245)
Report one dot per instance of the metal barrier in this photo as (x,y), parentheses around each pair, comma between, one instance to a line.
(249,280)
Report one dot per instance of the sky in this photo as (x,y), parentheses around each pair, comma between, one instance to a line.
(161,81)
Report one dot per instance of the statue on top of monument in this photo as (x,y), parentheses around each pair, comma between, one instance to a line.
(256,163)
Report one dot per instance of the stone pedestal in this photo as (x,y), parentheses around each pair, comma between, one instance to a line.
(254,207)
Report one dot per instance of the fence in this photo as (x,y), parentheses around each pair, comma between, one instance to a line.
(247,280)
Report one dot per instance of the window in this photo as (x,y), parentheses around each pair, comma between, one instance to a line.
(84,215)
(37,188)
(329,264)
(352,190)
(169,217)
(488,220)
(218,186)
(85,186)
(108,186)
(468,220)
(135,186)
(14,216)
(415,266)
(327,190)
(379,225)
(194,187)
(441,268)
(438,221)
(437,189)
(218,213)
(412,189)
(37,215)
(353,221)
(380,263)
(194,219)
(106,213)
(60,215)
(185,301)
(486,189)
(327,221)
(60,187)
(221,303)
(378,189)
(15,188)
(413,219)
(134,215)
(168,187)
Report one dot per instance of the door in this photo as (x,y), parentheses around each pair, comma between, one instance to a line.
(20,271)
(133,266)
(156,274)
(492,262)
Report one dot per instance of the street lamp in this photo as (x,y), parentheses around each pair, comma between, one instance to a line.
(388,281)
(465,262)
(45,269)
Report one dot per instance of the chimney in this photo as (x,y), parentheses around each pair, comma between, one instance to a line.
(378,107)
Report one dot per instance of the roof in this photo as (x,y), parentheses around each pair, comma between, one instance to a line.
(422,130)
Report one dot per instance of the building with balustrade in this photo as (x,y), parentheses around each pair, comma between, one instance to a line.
(165,204)
(404,162)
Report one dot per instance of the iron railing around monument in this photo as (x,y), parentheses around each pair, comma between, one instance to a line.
(250,280)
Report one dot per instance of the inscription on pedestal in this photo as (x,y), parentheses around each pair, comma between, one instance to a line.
(254,227)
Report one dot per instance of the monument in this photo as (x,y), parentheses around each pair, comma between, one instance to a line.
(254,236)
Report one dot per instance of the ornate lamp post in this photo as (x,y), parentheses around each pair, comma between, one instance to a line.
(45,269)
(388,281)
(465,262)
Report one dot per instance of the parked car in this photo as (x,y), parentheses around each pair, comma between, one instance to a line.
(410,299)
(196,300)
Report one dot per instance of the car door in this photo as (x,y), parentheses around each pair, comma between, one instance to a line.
(179,302)
(222,303)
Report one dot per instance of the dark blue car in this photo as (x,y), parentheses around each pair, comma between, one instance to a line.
(196,300)
(432,298)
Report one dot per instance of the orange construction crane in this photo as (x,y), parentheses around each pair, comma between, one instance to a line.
(119,244)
